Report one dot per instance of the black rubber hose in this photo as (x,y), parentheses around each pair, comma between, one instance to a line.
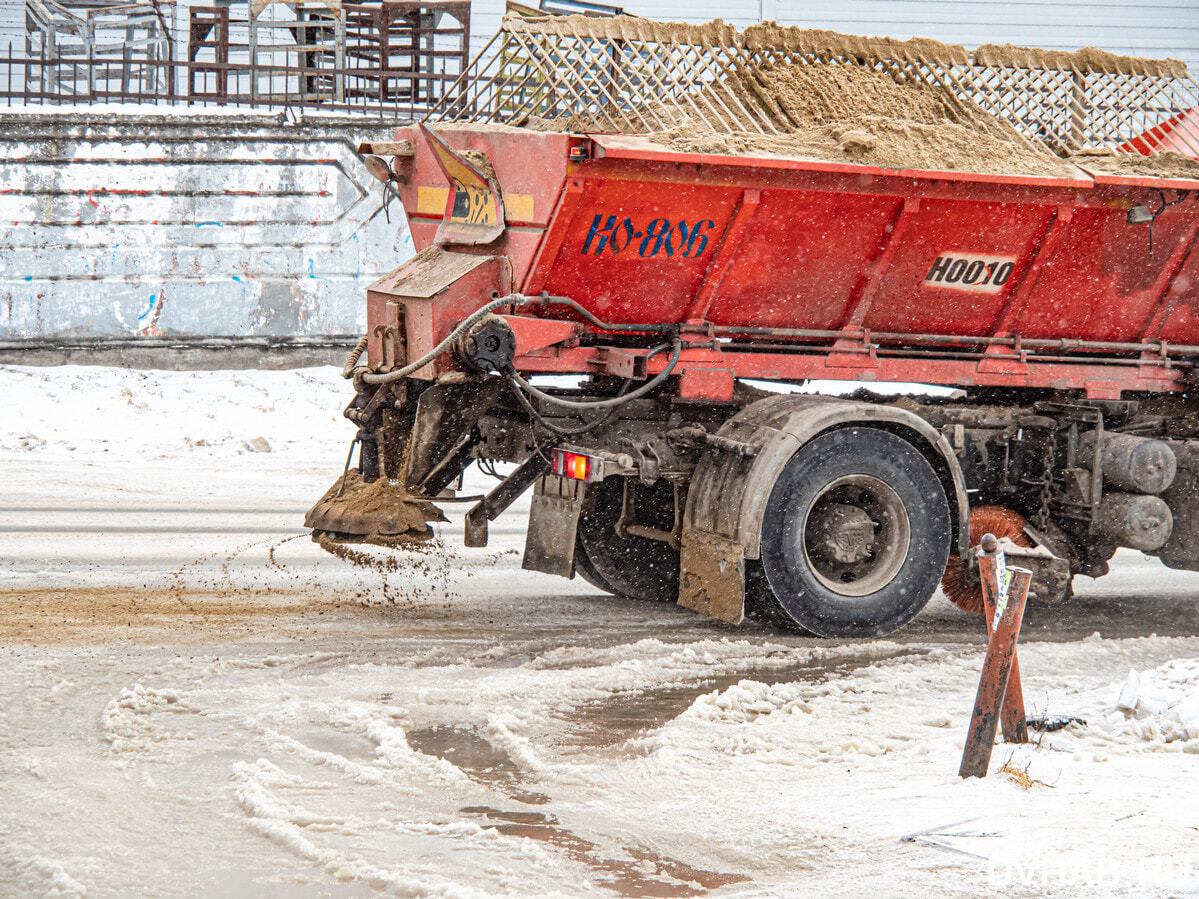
(459,329)
(588,405)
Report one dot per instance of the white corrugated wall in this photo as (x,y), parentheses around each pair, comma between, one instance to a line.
(1154,29)
(12,25)
(1157,29)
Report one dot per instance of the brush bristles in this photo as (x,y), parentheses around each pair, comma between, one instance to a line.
(983,520)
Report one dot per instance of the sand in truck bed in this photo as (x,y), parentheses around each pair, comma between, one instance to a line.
(846,111)
(851,113)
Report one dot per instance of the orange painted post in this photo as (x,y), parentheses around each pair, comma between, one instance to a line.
(991,568)
(1008,591)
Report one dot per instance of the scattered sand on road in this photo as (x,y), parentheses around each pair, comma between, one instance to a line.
(115,615)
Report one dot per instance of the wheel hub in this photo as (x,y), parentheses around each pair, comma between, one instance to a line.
(856,535)
(845,531)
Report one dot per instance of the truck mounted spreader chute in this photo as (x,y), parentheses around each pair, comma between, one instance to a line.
(593,199)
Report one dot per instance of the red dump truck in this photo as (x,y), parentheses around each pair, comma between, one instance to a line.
(1064,308)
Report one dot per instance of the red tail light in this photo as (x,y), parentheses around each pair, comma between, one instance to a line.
(571,465)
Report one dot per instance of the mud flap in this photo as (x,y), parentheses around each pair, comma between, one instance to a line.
(712,576)
(553,523)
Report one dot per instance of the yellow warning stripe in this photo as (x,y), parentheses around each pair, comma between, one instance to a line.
(432,201)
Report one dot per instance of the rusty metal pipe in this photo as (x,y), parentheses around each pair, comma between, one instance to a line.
(1015,342)
(347,370)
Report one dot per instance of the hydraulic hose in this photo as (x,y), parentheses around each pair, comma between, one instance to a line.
(347,370)
(459,329)
(516,299)
(588,405)
(587,426)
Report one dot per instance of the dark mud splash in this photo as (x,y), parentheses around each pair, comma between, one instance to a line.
(642,873)
(614,720)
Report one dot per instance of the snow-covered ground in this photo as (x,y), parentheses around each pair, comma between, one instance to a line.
(197,701)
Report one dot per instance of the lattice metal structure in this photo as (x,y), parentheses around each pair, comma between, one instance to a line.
(1089,98)
(328,52)
(610,72)
(298,34)
(631,74)
(118,46)
(390,42)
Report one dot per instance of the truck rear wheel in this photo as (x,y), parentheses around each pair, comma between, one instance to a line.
(856,534)
(636,567)
(586,570)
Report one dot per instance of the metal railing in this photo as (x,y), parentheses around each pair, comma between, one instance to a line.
(628,74)
(395,94)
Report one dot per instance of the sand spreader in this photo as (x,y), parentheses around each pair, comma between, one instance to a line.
(693,222)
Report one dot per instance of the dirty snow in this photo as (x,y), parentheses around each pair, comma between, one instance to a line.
(203,703)
(79,411)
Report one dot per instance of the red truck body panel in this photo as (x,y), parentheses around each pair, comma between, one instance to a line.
(882,272)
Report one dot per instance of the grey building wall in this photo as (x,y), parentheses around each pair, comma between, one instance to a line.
(188,225)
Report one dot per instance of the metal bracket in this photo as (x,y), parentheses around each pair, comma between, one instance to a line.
(621,363)
(505,493)
(853,350)
(628,514)
(649,464)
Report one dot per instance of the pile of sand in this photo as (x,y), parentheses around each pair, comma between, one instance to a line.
(838,112)
(853,113)
(1167,164)
(1088,59)
(849,98)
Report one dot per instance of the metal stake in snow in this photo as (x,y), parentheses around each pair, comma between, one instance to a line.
(1000,696)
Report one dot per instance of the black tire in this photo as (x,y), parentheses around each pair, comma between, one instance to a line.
(636,567)
(585,570)
(856,534)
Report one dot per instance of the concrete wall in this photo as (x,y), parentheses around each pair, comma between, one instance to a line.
(186,224)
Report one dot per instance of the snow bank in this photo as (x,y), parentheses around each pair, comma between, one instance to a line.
(39,875)
(1158,707)
(77,411)
(749,701)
